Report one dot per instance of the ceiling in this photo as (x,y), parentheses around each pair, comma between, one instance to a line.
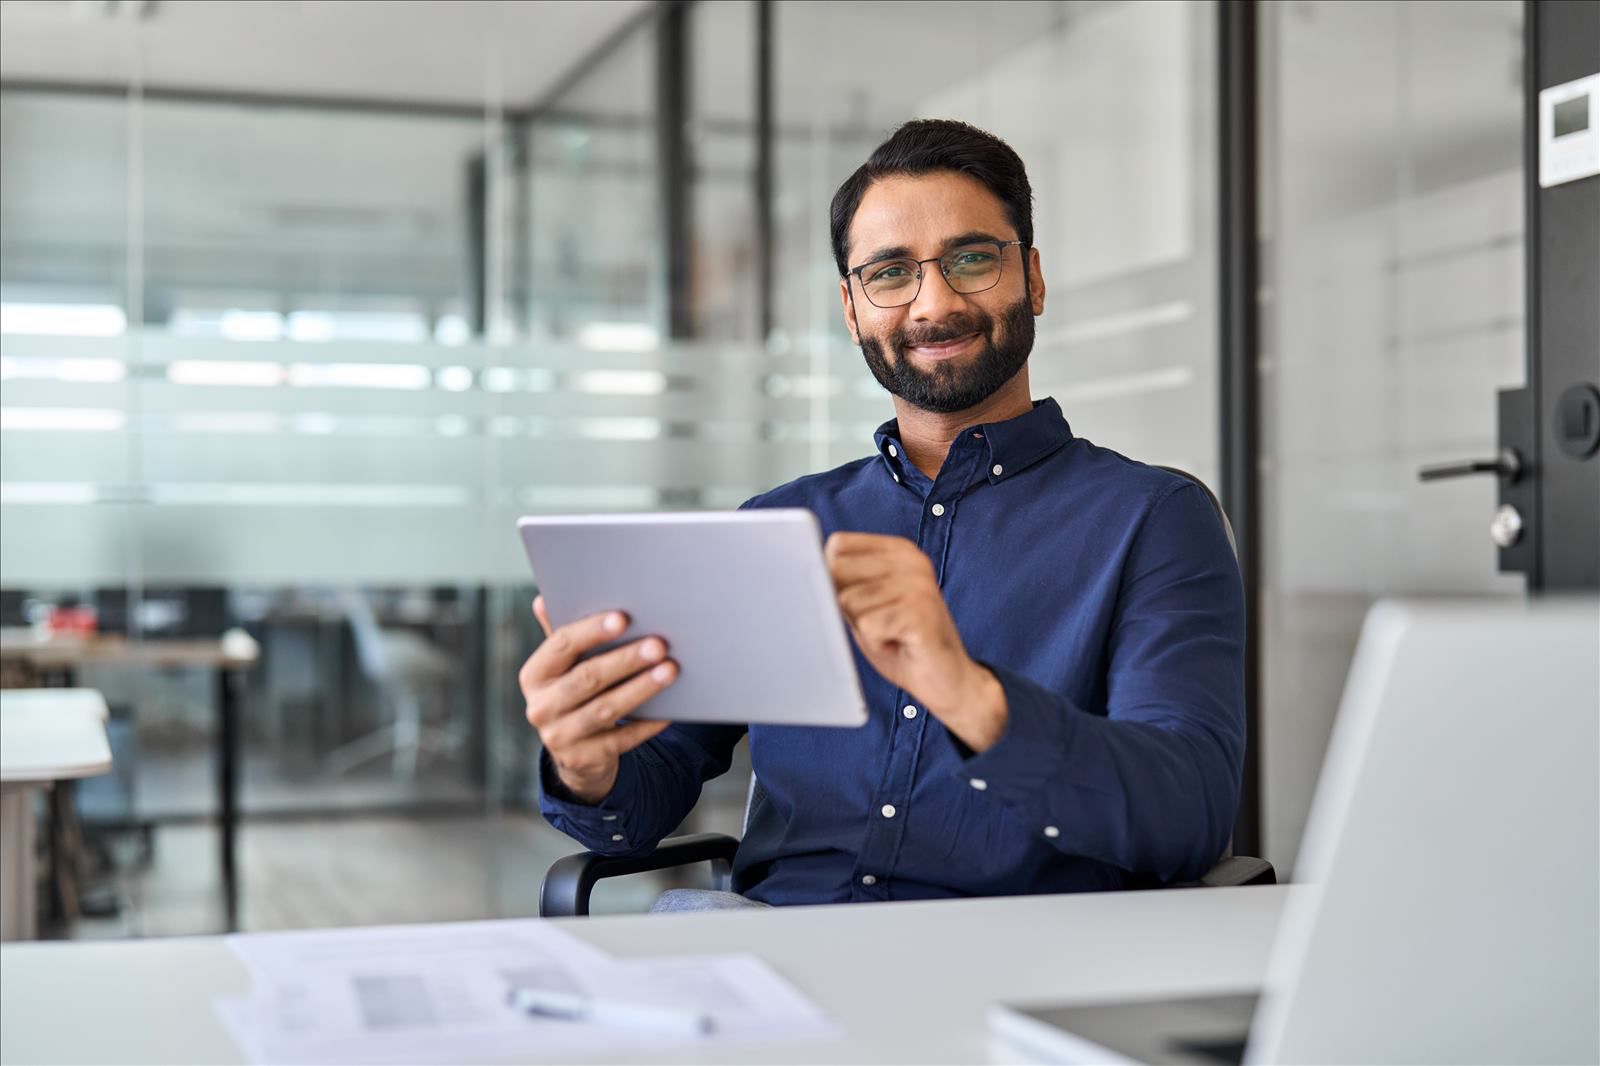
(341,201)
(461,52)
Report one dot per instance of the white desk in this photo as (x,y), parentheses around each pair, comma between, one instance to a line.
(227,656)
(46,735)
(907,982)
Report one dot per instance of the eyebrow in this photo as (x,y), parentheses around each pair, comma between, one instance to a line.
(900,251)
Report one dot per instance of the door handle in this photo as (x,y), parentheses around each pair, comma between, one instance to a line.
(1507,465)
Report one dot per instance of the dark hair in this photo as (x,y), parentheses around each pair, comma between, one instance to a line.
(925,145)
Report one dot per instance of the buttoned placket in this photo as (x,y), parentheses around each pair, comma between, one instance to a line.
(891,807)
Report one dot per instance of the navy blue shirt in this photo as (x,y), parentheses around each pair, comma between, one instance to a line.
(1104,596)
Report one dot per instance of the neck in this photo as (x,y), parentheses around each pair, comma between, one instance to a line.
(926,436)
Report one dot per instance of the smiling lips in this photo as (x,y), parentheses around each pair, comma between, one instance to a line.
(944,349)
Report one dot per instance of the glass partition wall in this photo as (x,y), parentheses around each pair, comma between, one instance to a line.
(295,370)
(1392,311)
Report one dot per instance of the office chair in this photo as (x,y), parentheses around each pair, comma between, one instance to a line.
(571,879)
(404,668)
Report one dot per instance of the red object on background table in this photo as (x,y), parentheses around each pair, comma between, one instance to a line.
(79,620)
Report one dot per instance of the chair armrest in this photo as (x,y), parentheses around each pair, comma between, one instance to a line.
(1239,870)
(569,881)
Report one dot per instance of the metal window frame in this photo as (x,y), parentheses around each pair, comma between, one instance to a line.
(1238,355)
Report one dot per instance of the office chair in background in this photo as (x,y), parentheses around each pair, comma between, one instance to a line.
(570,880)
(411,676)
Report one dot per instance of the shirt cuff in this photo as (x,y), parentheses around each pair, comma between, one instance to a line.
(603,827)
(1032,754)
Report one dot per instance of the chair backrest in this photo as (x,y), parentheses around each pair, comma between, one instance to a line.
(367,634)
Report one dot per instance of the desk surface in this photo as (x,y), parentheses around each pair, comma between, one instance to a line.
(907,982)
(52,734)
(64,651)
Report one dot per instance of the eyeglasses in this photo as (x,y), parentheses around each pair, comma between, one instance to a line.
(971,268)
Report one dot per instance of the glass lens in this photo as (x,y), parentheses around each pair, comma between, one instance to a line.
(892,282)
(973,267)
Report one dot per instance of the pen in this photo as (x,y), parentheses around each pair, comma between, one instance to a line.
(572,1008)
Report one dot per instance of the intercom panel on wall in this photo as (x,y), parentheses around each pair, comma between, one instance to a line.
(1569,131)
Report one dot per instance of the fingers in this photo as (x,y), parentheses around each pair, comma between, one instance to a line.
(564,646)
(603,749)
(599,716)
(848,570)
(868,546)
(540,613)
(843,544)
(861,582)
(865,596)
(883,625)
(626,738)
(592,677)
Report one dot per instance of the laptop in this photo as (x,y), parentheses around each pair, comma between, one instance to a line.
(1449,908)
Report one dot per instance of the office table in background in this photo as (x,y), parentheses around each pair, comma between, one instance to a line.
(63,656)
(46,736)
(906,982)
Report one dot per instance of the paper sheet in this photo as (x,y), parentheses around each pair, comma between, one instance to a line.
(438,993)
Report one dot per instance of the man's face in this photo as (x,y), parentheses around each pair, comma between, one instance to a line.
(945,351)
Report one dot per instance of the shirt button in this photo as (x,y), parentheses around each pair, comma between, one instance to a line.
(938,509)
(893,451)
(978,783)
(1051,831)
(888,810)
(868,879)
(909,711)
(896,478)
(616,836)
(997,469)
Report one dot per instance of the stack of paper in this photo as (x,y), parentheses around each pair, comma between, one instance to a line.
(439,993)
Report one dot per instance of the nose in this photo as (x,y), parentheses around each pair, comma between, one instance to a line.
(936,300)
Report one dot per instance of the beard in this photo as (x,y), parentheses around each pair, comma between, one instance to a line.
(951,386)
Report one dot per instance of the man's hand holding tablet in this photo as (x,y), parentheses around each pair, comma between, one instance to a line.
(576,703)
(745,600)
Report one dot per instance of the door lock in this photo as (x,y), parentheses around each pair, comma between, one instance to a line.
(1506,528)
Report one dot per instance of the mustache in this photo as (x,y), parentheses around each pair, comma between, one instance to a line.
(948,330)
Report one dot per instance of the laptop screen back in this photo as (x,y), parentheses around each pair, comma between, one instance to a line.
(1453,854)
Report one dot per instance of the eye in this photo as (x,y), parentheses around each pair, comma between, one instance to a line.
(972,259)
(891,272)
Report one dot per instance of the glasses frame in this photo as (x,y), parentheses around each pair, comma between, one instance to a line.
(855,272)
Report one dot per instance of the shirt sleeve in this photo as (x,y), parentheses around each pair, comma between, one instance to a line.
(658,784)
(1152,785)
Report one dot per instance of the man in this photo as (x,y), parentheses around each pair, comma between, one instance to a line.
(1049,635)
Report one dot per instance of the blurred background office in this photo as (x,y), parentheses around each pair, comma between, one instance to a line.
(305,302)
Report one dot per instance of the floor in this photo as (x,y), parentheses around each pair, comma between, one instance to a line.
(366,847)
(359,871)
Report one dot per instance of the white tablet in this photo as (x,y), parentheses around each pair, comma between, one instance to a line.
(743,600)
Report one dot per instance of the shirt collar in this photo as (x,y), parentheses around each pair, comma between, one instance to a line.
(1014,445)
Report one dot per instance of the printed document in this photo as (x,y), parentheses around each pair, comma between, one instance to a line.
(440,993)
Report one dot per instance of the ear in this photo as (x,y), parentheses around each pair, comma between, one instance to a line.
(849,306)
(1035,282)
